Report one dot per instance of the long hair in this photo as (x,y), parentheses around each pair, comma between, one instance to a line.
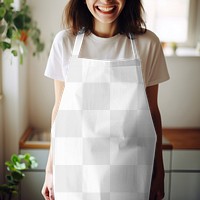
(76,16)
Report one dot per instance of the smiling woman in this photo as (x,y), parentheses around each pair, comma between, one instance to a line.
(124,9)
(105,12)
(106,126)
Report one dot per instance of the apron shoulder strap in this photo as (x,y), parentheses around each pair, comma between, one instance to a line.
(133,45)
(77,44)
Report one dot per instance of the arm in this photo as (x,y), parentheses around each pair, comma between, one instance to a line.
(157,185)
(58,88)
(47,190)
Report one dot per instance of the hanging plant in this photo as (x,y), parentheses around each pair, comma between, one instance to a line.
(17,29)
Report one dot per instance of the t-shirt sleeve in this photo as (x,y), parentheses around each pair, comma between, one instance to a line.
(54,67)
(156,68)
(158,72)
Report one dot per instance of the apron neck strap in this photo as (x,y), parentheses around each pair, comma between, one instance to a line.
(77,44)
(79,41)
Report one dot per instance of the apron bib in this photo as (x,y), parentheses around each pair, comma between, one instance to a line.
(103,136)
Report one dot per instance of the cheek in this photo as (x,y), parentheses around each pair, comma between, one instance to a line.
(123,5)
(89,6)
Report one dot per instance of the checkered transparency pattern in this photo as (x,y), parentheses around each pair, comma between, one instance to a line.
(103,137)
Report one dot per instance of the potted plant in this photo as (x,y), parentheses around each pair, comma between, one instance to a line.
(17,29)
(16,167)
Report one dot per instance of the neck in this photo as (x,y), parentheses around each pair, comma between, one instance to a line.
(105,30)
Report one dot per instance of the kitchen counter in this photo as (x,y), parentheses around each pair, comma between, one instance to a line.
(37,139)
(181,158)
(172,139)
(187,139)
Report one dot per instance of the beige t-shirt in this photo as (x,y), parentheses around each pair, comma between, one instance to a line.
(117,47)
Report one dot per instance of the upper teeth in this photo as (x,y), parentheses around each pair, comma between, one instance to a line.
(106,9)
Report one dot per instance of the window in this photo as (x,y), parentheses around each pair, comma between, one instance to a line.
(172,20)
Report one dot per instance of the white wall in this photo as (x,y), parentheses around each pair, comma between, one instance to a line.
(48,14)
(15,113)
(1,128)
(1,141)
(179,98)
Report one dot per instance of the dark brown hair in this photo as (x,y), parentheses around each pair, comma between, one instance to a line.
(76,16)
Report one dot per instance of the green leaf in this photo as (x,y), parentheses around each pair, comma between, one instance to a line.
(16,35)
(11,168)
(2,12)
(9,17)
(21,59)
(9,32)
(17,175)
(20,166)
(15,159)
(34,164)
(22,21)
(40,47)
(7,163)
(14,52)
(8,2)
(26,9)
(5,45)
(21,156)
(32,158)
(27,156)
(2,29)
(10,179)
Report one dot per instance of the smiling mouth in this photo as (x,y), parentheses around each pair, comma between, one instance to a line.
(106,9)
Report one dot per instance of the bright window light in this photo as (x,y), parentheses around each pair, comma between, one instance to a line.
(169,19)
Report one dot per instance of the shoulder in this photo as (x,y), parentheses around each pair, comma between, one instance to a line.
(64,36)
(148,38)
(148,44)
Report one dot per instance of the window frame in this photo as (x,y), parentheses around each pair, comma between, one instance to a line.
(193,27)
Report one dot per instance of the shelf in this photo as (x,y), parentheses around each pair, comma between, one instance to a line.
(35,139)
(38,139)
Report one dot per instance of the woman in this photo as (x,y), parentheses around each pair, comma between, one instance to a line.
(106,124)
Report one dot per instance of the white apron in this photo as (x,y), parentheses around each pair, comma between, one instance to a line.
(103,136)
